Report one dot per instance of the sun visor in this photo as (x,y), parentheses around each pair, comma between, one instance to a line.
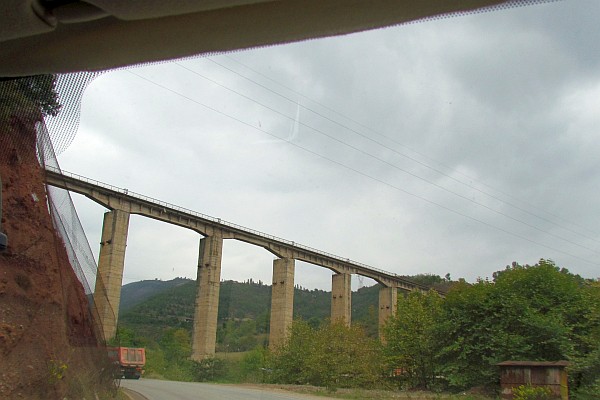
(69,36)
(145,9)
(19,18)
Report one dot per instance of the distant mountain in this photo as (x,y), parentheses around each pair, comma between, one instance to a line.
(150,308)
(138,292)
(305,301)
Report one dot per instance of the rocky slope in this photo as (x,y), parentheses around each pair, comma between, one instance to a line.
(47,344)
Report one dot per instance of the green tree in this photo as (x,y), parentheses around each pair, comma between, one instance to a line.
(157,365)
(426,279)
(585,372)
(29,97)
(176,344)
(465,333)
(253,365)
(289,363)
(236,336)
(333,355)
(538,313)
(411,342)
(127,337)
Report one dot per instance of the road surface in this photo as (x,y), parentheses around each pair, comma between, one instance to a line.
(166,390)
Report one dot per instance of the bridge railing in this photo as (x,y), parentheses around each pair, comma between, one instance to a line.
(219,221)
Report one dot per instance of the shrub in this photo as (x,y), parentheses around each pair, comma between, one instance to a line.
(528,392)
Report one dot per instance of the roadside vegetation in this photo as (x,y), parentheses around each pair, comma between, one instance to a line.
(435,344)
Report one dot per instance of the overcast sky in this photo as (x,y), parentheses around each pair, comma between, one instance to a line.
(454,146)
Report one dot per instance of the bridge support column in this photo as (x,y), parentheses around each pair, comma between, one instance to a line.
(204,334)
(282,301)
(111,260)
(388,302)
(341,298)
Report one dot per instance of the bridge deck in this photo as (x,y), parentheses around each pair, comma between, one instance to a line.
(113,197)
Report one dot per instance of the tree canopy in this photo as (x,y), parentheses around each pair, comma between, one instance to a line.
(534,313)
(411,339)
(30,96)
(332,355)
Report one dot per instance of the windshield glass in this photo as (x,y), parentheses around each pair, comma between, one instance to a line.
(409,208)
(454,145)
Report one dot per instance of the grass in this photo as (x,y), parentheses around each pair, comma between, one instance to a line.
(121,395)
(233,356)
(363,394)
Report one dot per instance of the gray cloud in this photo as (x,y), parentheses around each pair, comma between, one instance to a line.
(505,102)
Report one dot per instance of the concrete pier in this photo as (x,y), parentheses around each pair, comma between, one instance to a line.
(341,298)
(112,256)
(282,301)
(107,293)
(204,333)
(388,303)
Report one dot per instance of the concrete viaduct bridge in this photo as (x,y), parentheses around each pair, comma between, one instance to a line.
(122,203)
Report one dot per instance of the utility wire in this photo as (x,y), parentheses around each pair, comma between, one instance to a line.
(408,148)
(366,153)
(361,172)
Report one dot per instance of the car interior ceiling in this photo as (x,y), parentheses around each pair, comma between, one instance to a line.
(59,36)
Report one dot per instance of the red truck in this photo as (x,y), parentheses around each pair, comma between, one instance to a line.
(129,361)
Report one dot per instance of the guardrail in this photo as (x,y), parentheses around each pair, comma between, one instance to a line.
(219,221)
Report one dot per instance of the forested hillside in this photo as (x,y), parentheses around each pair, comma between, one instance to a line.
(243,309)
(137,292)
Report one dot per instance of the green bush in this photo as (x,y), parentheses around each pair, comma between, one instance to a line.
(528,392)
(333,355)
(210,369)
(253,365)
(588,392)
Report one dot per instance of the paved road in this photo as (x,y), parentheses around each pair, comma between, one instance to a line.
(167,390)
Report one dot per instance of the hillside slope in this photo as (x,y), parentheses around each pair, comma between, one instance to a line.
(172,306)
(135,293)
(47,345)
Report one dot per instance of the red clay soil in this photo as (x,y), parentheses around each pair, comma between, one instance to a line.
(48,349)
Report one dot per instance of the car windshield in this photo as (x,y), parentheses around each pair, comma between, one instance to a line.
(436,147)
(407,208)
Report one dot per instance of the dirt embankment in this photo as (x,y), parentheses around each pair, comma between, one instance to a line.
(47,344)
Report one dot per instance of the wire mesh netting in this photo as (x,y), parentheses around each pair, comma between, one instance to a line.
(63,127)
(59,317)
(59,99)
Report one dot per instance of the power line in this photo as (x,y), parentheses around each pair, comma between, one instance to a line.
(366,153)
(361,172)
(408,148)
